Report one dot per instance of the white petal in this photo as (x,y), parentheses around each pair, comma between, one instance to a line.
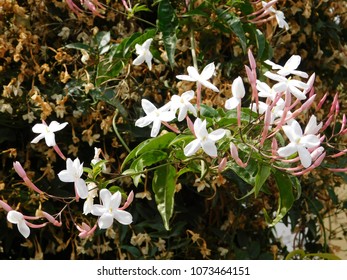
(272,64)
(88,205)
(208,71)
(38,138)
(144,121)
(182,113)
(156,127)
(209,147)
(188,95)
(288,150)
(193,73)
(139,60)
(200,129)
(14,217)
(311,127)
(66,176)
(148,106)
(105,221)
(297,93)
(148,59)
(232,103)
(81,188)
(147,43)
(23,229)
(39,128)
(238,88)
(98,210)
(293,62)
(105,197)
(123,217)
(305,156)
(115,201)
(296,128)
(275,77)
(208,85)
(280,87)
(50,139)
(55,126)
(217,134)
(167,116)
(185,78)
(192,148)
(310,141)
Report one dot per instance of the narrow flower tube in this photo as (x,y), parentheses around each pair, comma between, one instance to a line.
(128,202)
(49,217)
(321,102)
(5,206)
(21,172)
(235,155)
(222,164)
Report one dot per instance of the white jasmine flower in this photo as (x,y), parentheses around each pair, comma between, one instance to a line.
(291,85)
(17,218)
(298,143)
(194,76)
(182,104)
(154,116)
(144,54)
(47,132)
(289,67)
(109,210)
(73,173)
(204,140)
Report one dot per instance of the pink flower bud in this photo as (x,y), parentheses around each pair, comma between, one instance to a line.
(128,202)
(321,102)
(19,169)
(251,60)
(222,164)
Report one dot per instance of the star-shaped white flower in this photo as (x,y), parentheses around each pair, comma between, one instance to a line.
(204,140)
(276,111)
(194,76)
(47,132)
(238,91)
(73,173)
(109,210)
(264,90)
(144,54)
(289,67)
(17,218)
(298,143)
(155,116)
(278,14)
(182,104)
(291,85)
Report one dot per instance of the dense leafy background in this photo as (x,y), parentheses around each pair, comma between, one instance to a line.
(42,76)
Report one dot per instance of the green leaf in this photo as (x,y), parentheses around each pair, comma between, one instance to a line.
(286,199)
(233,23)
(158,143)
(79,46)
(144,160)
(230,117)
(261,42)
(168,25)
(208,111)
(102,39)
(163,185)
(264,172)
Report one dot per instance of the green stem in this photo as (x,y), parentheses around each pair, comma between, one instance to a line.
(117,132)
